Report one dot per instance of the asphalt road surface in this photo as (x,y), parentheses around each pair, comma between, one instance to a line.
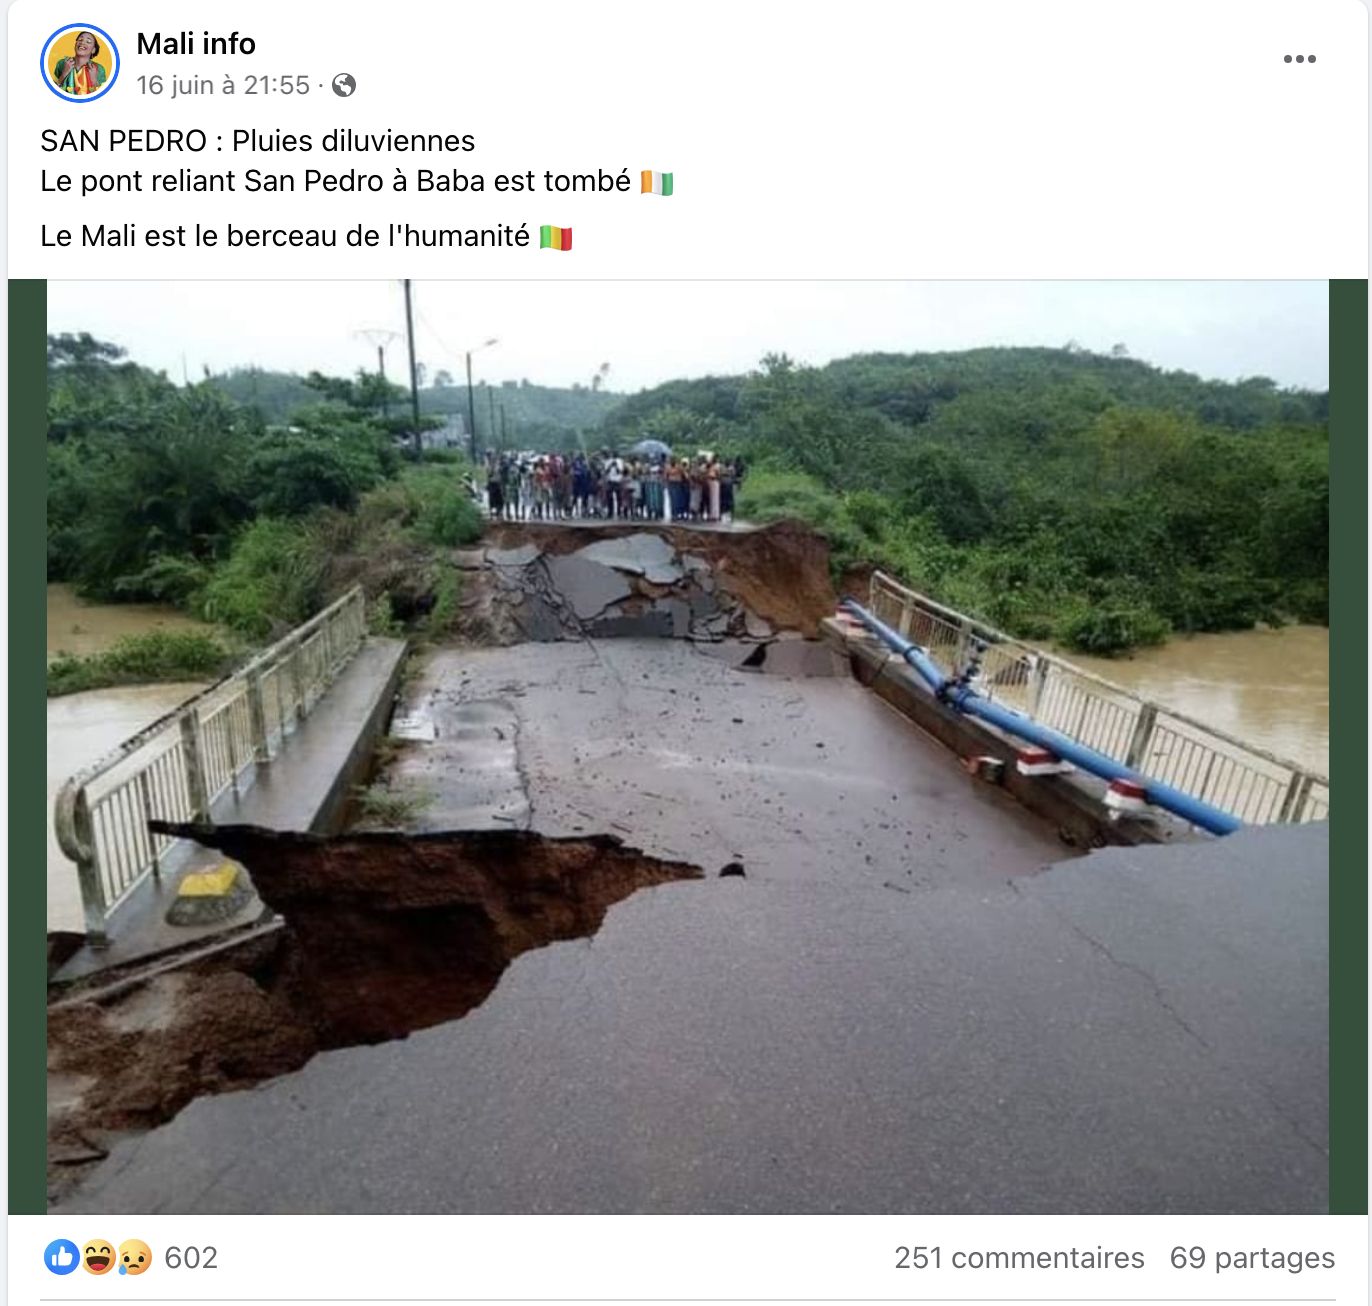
(906,1005)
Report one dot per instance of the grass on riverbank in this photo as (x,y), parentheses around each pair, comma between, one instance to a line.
(156,657)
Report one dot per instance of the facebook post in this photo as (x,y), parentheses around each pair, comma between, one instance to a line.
(688,614)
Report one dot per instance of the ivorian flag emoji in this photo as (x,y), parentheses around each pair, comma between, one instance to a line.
(554,238)
(657,183)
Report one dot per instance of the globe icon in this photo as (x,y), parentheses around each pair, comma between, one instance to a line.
(343,84)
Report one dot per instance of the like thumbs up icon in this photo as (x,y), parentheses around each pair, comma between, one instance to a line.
(61,1256)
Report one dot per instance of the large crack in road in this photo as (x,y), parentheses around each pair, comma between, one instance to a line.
(385,934)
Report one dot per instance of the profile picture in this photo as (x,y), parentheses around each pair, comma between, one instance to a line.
(80,62)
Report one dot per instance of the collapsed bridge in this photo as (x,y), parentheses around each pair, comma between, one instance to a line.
(911,991)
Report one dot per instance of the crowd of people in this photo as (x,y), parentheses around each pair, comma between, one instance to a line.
(557,486)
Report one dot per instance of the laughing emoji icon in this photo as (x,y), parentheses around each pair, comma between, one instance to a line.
(97,1256)
(134,1257)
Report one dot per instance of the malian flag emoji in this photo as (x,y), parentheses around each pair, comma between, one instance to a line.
(657,183)
(554,238)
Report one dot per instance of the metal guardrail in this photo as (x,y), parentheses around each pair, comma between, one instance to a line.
(178,767)
(1249,783)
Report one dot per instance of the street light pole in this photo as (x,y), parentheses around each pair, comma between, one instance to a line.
(471,408)
(414,377)
(471,400)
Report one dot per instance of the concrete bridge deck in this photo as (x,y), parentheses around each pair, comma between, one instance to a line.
(306,787)
(911,1002)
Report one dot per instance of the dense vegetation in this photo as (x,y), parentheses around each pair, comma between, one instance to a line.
(1058,493)
(180,494)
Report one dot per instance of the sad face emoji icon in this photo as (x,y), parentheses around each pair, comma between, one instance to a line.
(134,1257)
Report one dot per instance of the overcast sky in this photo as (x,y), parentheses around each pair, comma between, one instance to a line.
(559,333)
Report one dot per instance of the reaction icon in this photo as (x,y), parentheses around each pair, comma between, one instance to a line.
(134,1257)
(97,1256)
(61,1256)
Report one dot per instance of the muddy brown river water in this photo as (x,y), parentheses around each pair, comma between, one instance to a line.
(83,726)
(81,628)
(1267,687)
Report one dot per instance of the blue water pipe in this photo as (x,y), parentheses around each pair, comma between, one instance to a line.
(964,698)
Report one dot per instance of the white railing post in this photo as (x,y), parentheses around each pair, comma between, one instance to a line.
(1297,795)
(88,871)
(1038,678)
(1142,738)
(297,681)
(191,750)
(257,713)
(963,644)
(145,800)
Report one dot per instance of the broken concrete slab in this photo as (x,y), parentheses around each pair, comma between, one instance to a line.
(520,557)
(649,556)
(468,559)
(703,606)
(538,621)
(755,627)
(588,587)
(653,624)
(715,625)
(680,613)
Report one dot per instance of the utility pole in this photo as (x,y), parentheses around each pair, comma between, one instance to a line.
(380,337)
(471,398)
(414,376)
(471,408)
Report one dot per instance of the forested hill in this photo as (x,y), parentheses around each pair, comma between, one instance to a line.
(1005,391)
(1089,498)
(534,415)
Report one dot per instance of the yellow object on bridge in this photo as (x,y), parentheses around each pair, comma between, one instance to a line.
(216,883)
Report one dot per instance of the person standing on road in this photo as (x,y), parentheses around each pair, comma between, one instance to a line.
(495,489)
(614,480)
(675,485)
(526,488)
(509,483)
(581,486)
(564,486)
(712,487)
(653,481)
